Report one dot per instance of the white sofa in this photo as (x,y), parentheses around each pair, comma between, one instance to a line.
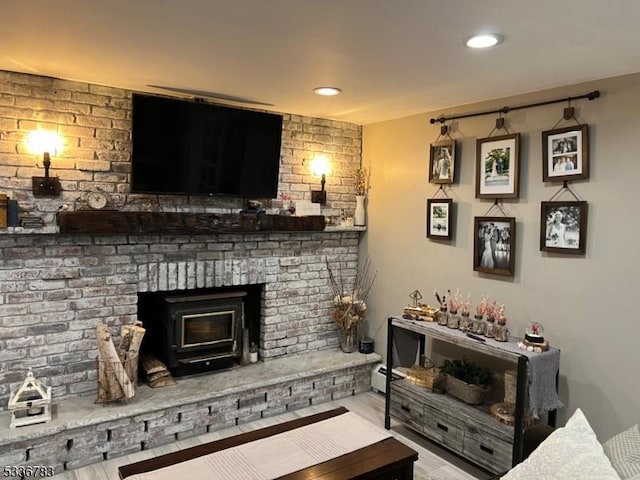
(573,452)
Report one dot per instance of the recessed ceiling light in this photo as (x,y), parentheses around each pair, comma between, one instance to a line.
(327,91)
(484,40)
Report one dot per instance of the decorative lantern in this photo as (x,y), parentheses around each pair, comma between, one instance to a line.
(31,403)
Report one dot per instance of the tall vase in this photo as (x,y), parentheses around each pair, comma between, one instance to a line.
(359,218)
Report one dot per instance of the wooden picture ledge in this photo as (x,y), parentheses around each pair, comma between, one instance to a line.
(173,223)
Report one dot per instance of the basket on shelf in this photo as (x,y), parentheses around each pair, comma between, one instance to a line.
(425,377)
(468,393)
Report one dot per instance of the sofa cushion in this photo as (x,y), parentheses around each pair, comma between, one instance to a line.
(570,452)
(623,451)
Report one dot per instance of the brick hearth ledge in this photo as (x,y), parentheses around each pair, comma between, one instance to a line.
(81,432)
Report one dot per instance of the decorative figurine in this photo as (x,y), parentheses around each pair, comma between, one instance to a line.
(534,340)
(417,310)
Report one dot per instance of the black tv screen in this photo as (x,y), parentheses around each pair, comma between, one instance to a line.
(194,148)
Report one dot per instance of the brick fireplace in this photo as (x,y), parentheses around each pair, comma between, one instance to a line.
(67,284)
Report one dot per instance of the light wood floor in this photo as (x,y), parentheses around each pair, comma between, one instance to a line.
(433,462)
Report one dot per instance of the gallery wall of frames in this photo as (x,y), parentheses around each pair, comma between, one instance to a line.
(565,158)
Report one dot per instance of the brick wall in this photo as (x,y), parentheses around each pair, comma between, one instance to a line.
(54,289)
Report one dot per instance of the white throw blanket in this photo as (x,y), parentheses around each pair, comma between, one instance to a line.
(278,455)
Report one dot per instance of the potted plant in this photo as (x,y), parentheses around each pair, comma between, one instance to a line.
(466,380)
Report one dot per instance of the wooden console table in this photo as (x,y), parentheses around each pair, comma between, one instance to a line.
(465,429)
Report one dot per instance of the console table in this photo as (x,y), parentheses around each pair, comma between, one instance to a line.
(467,430)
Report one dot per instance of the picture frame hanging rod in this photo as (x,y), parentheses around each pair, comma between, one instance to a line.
(444,118)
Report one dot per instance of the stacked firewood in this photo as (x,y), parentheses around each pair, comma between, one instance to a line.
(118,367)
(157,372)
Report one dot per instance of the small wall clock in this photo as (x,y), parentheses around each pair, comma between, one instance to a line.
(97,200)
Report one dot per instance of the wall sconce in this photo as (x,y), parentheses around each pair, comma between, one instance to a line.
(320,167)
(43,142)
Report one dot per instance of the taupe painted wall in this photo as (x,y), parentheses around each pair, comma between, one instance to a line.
(588,304)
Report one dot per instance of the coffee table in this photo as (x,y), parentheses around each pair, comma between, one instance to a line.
(384,460)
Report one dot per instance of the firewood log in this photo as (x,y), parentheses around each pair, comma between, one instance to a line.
(154,376)
(103,384)
(151,364)
(125,342)
(162,382)
(135,334)
(118,381)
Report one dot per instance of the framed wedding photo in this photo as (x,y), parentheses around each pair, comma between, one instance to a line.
(442,162)
(497,166)
(494,245)
(565,154)
(563,227)
(439,213)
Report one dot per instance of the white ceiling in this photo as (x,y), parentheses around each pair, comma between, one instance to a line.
(392,58)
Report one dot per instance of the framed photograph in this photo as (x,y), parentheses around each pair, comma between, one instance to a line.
(565,154)
(442,162)
(563,227)
(497,166)
(439,213)
(494,245)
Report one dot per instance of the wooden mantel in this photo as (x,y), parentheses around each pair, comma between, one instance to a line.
(175,223)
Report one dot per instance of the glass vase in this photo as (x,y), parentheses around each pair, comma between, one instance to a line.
(349,339)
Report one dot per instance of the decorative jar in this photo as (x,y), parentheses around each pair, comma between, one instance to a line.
(454,319)
(490,328)
(465,322)
(478,325)
(443,316)
(502,333)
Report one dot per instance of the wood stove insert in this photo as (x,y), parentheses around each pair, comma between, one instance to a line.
(191,333)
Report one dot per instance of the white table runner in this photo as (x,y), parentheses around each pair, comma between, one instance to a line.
(278,455)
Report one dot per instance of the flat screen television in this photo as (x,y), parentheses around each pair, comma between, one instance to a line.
(194,148)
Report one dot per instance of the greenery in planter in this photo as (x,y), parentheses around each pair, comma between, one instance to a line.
(467,371)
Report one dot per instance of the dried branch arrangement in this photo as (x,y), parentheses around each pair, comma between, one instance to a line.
(349,299)
(362,181)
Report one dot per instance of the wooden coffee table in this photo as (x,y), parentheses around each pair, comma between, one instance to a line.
(384,460)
